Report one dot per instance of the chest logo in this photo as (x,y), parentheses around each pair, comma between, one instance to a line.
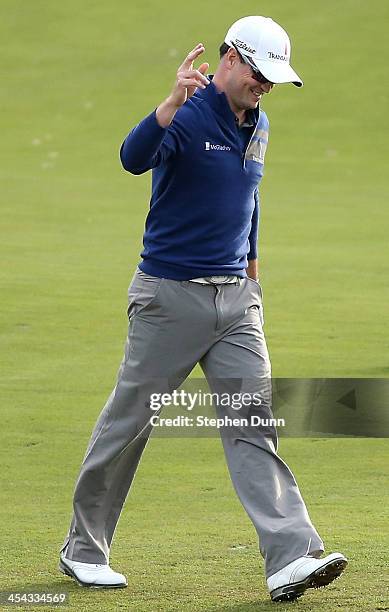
(209,146)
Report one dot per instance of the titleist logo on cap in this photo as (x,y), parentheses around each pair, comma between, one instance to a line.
(242,45)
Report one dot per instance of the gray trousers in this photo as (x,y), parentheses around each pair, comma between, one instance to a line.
(173,325)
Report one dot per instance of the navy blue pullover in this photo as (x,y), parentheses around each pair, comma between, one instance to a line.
(204,209)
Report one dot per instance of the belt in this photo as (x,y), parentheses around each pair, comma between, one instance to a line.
(215,280)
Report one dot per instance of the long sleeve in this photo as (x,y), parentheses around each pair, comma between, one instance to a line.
(253,236)
(146,146)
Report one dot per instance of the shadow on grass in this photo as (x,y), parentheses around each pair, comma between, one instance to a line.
(253,606)
(48,586)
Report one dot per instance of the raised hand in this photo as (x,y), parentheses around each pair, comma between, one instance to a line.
(188,79)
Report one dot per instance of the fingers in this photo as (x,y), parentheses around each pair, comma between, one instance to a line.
(193,74)
(198,50)
(187,83)
(188,79)
(203,68)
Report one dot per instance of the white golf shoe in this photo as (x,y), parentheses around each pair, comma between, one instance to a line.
(304,573)
(92,574)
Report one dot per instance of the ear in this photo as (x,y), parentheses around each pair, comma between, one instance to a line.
(231,57)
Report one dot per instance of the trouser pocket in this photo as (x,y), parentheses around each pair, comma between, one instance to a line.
(256,295)
(142,292)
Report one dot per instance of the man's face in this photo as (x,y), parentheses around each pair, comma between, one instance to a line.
(243,90)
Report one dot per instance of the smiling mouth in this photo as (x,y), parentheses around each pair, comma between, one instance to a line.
(256,94)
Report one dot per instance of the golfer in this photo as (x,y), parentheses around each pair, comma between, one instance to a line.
(195,298)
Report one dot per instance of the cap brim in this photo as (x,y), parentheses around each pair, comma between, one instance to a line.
(278,72)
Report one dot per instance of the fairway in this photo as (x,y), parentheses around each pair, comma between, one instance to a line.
(78,77)
(183,540)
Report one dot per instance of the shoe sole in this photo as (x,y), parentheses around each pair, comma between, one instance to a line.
(318,579)
(68,572)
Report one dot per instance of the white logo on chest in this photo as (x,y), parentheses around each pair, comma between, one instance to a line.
(209,146)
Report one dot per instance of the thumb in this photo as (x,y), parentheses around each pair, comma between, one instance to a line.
(203,68)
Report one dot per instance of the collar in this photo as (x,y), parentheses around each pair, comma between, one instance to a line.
(218,101)
(251,119)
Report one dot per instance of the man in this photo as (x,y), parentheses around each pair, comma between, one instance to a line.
(195,298)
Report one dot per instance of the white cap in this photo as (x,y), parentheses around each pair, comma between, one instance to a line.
(266,45)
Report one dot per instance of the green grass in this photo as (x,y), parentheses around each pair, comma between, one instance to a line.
(183,540)
(81,74)
(77,78)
